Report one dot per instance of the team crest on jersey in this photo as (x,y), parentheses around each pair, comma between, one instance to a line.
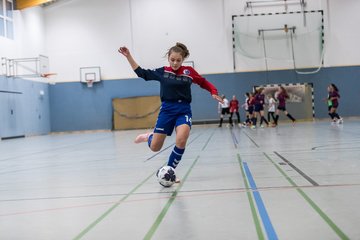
(186,71)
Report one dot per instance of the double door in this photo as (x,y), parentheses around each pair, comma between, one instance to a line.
(11,121)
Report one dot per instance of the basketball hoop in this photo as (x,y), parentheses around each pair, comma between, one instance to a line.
(89,83)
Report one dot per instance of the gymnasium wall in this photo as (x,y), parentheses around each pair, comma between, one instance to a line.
(81,33)
(76,107)
(24,107)
(23,110)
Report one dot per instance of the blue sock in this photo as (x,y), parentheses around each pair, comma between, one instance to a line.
(150,139)
(175,157)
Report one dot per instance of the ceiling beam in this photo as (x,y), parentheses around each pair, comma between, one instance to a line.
(21,4)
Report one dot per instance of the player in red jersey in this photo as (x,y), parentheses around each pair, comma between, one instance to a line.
(234,108)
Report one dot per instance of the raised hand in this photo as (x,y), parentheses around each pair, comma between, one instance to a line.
(124,51)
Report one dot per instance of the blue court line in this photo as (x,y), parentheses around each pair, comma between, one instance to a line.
(236,142)
(270,231)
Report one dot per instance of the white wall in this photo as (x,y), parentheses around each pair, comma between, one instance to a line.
(84,33)
(29,35)
(343,33)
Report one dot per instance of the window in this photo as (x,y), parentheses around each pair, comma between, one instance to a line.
(6,19)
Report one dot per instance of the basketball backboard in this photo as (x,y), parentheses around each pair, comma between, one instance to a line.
(90,75)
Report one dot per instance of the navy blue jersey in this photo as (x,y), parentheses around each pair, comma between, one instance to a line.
(175,86)
(259,99)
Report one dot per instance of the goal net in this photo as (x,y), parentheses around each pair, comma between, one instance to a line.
(273,41)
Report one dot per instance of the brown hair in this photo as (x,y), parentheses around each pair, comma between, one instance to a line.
(179,48)
(283,90)
(334,87)
(259,90)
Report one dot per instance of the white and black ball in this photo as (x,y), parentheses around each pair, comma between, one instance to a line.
(166,176)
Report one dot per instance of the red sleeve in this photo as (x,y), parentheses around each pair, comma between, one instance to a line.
(203,83)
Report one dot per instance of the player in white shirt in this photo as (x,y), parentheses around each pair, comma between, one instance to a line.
(223,109)
(271,107)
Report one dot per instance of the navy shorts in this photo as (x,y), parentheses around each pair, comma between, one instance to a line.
(172,114)
(251,109)
(259,107)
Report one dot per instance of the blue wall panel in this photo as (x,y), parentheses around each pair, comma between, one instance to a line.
(76,107)
(23,110)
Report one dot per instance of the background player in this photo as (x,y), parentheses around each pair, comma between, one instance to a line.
(259,107)
(223,110)
(281,96)
(334,99)
(271,108)
(234,108)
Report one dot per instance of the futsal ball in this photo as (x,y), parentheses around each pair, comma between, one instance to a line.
(166,176)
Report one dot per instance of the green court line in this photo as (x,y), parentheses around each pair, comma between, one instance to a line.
(99,219)
(208,141)
(322,214)
(162,214)
(255,216)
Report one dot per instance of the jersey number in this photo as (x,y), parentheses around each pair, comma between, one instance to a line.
(187,118)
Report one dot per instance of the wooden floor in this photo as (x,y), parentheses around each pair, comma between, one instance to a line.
(300,182)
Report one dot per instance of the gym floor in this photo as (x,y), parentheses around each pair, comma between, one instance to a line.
(300,182)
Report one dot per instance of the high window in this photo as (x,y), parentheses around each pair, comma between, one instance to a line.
(6,19)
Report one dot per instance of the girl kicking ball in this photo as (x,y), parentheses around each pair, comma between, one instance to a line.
(175,93)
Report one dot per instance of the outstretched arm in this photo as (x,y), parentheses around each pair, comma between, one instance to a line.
(218,98)
(125,51)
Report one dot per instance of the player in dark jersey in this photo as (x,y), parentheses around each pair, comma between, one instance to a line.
(251,104)
(175,93)
(234,108)
(246,108)
(281,96)
(334,103)
(259,107)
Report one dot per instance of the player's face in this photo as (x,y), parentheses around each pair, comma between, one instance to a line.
(175,60)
